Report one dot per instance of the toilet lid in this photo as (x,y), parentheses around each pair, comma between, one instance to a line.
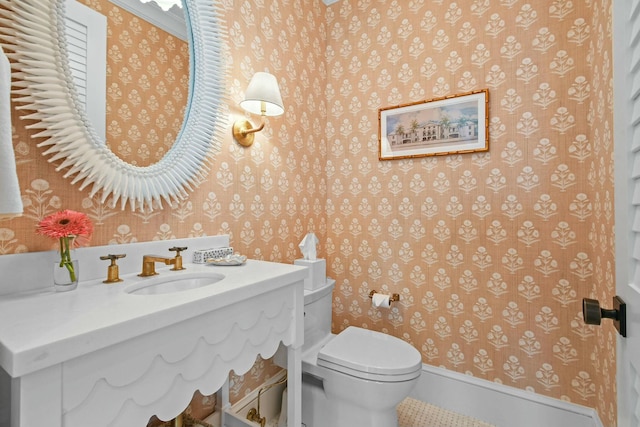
(370,354)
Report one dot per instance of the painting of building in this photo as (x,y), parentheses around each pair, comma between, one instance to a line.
(434,133)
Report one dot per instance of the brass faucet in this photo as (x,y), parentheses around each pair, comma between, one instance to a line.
(113,272)
(149,262)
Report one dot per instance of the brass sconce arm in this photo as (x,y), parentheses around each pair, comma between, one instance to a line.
(243,132)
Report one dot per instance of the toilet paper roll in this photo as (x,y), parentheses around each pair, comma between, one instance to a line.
(381,300)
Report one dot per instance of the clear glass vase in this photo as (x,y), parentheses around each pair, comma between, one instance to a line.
(63,278)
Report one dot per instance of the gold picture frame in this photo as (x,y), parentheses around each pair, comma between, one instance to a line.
(435,127)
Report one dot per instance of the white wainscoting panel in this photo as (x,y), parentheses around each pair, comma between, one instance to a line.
(498,404)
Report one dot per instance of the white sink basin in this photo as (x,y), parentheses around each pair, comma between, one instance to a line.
(176,282)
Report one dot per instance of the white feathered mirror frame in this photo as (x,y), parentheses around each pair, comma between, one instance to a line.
(32,35)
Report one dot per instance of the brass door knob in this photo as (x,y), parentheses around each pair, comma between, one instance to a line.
(593,314)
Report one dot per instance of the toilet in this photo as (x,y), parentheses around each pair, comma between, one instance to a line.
(355,378)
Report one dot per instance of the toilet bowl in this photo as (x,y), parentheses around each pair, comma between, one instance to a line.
(363,376)
(355,378)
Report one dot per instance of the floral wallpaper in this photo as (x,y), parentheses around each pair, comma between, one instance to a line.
(491,252)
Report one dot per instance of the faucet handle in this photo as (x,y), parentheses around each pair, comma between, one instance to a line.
(113,271)
(178,258)
(178,249)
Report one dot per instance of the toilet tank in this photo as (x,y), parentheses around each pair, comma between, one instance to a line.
(317,314)
(317,320)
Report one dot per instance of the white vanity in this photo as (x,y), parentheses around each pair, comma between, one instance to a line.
(101,356)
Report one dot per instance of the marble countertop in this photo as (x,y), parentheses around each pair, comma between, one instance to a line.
(40,328)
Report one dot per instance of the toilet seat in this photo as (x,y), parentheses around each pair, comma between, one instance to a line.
(371,355)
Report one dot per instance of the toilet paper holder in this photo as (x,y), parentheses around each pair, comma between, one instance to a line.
(392,298)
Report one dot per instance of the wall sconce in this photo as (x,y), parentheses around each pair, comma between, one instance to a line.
(262,97)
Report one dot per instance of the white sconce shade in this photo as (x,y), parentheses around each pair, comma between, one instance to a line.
(262,97)
(263,88)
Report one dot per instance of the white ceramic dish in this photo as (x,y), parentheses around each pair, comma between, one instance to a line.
(228,260)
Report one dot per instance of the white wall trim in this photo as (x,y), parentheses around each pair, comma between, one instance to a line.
(499,404)
(172,20)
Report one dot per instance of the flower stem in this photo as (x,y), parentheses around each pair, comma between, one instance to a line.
(65,256)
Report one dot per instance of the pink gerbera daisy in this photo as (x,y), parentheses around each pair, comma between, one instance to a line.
(66,223)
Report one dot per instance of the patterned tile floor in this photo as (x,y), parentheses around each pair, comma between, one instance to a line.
(414,413)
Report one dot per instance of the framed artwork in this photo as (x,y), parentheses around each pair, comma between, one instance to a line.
(435,127)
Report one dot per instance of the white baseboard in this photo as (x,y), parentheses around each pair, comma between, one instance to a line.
(498,404)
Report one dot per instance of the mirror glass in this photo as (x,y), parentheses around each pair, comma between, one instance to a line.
(35,33)
(130,64)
